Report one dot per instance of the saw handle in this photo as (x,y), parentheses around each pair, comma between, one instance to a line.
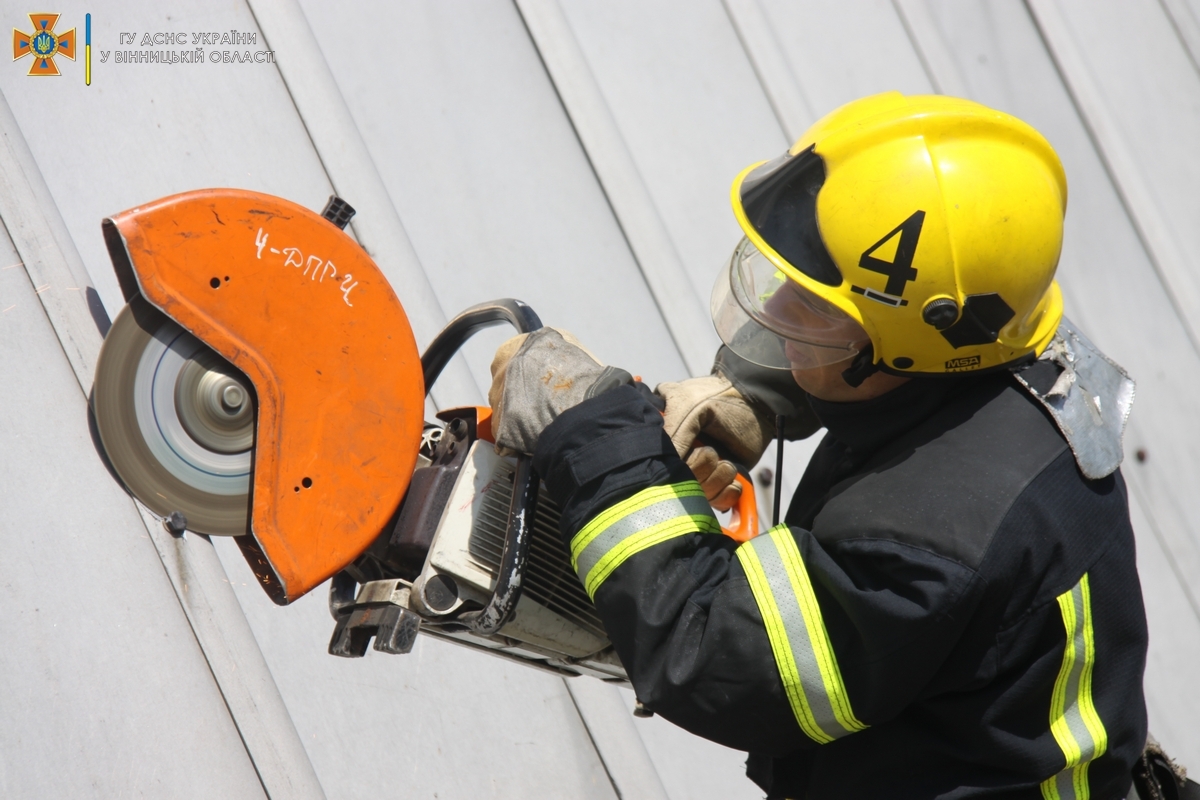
(744,522)
(467,324)
(523,505)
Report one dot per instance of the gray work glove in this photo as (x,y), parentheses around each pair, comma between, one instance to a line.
(537,376)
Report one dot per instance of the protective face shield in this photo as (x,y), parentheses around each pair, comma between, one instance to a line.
(774,322)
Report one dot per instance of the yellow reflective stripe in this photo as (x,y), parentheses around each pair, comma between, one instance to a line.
(1074,723)
(777,635)
(799,641)
(651,516)
(1087,708)
(1070,784)
(835,688)
(640,500)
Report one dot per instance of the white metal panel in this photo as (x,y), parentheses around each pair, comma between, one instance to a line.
(765,52)
(1112,290)
(692,767)
(489,178)
(629,765)
(51,261)
(441,721)
(623,184)
(106,693)
(1183,14)
(1136,88)
(1174,645)
(353,173)
(841,50)
(689,108)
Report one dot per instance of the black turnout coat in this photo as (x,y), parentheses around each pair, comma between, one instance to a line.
(951,610)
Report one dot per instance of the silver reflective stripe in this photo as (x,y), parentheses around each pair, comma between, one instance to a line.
(651,516)
(648,517)
(796,629)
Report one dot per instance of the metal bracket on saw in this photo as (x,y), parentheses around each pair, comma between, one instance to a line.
(380,612)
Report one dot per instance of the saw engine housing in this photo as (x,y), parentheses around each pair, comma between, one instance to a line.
(439,570)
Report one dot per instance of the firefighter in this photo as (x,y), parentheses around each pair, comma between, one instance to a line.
(951,608)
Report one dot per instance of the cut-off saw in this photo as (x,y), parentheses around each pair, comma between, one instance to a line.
(263,382)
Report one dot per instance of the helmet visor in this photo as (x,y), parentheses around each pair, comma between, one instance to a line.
(775,322)
(779,201)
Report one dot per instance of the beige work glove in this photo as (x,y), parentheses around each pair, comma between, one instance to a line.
(711,407)
(717,477)
(537,376)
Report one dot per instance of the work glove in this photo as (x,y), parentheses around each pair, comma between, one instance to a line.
(712,407)
(716,476)
(537,376)
(735,408)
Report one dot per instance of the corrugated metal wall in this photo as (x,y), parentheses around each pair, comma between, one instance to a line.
(573,153)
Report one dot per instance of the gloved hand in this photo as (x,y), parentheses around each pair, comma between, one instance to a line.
(713,407)
(537,376)
(718,478)
(735,407)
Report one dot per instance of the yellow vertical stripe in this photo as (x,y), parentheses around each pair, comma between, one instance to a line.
(831,676)
(799,641)
(1074,722)
(760,587)
(1058,701)
(1087,708)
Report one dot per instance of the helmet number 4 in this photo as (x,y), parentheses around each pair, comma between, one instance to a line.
(899,270)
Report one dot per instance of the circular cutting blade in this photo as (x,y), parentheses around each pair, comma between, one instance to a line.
(176,420)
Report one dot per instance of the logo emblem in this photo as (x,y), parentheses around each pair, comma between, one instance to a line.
(43,44)
(962,364)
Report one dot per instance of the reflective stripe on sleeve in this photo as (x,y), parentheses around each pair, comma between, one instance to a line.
(1073,719)
(796,630)
(651,516)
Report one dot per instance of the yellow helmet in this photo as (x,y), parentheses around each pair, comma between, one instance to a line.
(929,225)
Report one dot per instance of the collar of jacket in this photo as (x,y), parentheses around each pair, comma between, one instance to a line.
(866,426)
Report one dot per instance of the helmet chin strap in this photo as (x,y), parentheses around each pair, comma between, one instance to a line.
(862,367)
